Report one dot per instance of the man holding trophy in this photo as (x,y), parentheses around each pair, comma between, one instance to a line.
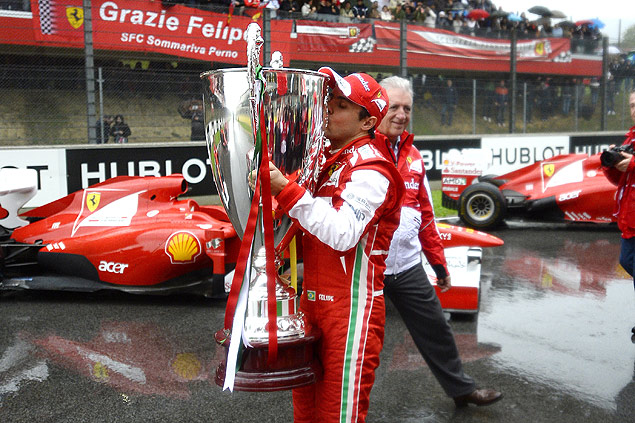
(347,227)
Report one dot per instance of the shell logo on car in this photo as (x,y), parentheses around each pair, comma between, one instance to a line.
(182,247)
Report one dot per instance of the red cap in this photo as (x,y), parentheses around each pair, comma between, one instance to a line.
(362,90)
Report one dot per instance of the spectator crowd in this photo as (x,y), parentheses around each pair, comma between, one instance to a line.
(453,15)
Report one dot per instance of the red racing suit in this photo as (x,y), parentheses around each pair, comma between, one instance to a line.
(417,214)
(625,204)
(347,225)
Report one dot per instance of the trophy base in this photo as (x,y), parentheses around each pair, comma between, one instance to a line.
(295,366)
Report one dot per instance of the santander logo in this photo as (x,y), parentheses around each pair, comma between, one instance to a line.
(411,184)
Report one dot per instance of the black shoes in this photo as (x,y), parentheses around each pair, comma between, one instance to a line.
(479,397)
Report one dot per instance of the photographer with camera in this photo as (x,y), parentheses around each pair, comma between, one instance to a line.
(620,170)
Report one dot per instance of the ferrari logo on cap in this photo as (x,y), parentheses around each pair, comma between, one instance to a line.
(75,16)
(380,103)
(92,201)
(182,247)
(549,169)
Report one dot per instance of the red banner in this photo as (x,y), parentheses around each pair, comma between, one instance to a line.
(148,26)
(142,25)
(439,42)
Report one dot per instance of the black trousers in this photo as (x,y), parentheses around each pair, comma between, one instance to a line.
(416,300)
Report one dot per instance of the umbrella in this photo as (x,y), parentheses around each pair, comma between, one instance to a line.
(585,22)
(540,10)
(512,17)
(598,23)
(478,14)
(558,14)
(498,14)
(544,21)
(613,50)
(566,24)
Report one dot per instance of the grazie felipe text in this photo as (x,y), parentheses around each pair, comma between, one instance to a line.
(110,11)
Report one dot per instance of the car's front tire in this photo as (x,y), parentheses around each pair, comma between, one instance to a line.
(482,206)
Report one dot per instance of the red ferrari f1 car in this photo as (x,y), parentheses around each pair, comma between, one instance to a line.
(568,187)
(133,234)
(128,233)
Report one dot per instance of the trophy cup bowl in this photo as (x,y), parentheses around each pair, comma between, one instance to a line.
(294,108)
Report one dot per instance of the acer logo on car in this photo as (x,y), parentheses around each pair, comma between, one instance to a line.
(112,267)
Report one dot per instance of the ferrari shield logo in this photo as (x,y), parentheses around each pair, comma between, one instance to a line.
(75,16)
(540,49)
(353,31)
(92,201)
(549,169)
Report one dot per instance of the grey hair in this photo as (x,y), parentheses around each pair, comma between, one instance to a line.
(397,82)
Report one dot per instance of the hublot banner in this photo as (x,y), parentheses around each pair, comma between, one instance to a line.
(63,170)
(87,167)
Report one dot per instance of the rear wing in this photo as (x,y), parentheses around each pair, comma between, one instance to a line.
(17,187)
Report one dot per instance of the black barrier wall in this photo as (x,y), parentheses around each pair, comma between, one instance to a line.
(65,169)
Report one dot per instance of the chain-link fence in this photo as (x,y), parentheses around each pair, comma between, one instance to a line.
(43,98)
(455,105)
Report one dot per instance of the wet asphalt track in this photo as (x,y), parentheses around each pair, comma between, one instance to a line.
(553,334)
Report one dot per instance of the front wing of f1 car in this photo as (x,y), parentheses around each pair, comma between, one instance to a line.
(463,252)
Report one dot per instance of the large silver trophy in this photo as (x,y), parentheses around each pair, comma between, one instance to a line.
(286,108)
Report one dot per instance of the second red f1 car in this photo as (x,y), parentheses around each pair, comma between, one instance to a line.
(568,187)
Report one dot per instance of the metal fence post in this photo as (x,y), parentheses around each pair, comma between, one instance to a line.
(625,106)
(266,34)
(524,107)
(512,104)
(473,106)
(605,79)
(403,48)
(577,103)
(90,73)
(100,81)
